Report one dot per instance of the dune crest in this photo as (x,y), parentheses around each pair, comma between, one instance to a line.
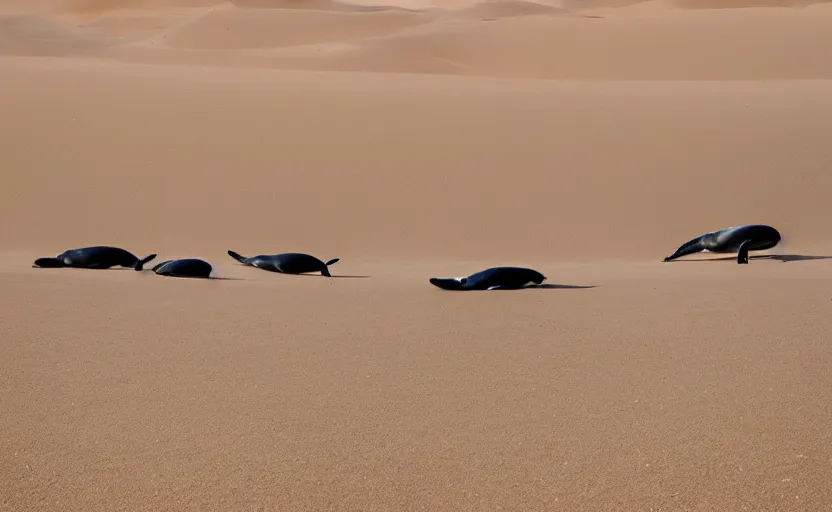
(567,47)
(739,4)
(33,35)
(104,6)
(314,5)
(508,9)
(271,28)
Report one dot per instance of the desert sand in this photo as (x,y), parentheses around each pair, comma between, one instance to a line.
(584,138)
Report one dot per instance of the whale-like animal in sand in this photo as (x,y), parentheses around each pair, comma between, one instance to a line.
(286,263)
(738,239)
(186,267)
(98,257)
(496,278)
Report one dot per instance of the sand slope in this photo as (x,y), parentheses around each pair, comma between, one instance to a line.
(412,140)
(408,167)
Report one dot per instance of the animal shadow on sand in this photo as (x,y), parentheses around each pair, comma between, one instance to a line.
(333,276)
(546,287)
(559,287)
(111,269)
(209,278)
(784,258)
(121,269)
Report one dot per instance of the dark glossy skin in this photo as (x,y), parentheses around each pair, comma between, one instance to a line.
(286,263)
(188,267)
(496,278)
(96,257)
(740,239)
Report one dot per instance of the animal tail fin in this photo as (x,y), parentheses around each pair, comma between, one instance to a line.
(237,256)
(325,271)
(141,263)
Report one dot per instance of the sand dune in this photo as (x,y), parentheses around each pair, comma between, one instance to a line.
(313,5)
(507,9)
(266,28)
(526,161)
(104,6)
(694,48)
(700,45)
(735,4)
(687,4)
(34,35)
(415,139)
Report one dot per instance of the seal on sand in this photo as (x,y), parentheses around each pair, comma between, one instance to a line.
(286,263)
(188,267)
(497,278)
(739,239)
(98,257)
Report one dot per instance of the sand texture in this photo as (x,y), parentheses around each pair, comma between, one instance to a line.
(586,139)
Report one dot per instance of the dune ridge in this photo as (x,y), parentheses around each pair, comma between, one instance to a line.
(487,39)
(267,28)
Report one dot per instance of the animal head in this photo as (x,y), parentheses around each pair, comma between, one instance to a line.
(49,263)
(456,283)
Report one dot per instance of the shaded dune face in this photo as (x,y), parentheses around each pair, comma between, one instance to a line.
(268,28)
(98,7)
(320,5)
(32,35)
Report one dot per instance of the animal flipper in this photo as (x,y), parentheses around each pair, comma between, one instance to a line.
(160,265)
(236,256)
(742,254)
(141,263)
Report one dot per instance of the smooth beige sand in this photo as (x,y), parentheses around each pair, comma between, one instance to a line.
(587,139)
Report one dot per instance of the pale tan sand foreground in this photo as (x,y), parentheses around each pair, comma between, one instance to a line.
(587,140)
